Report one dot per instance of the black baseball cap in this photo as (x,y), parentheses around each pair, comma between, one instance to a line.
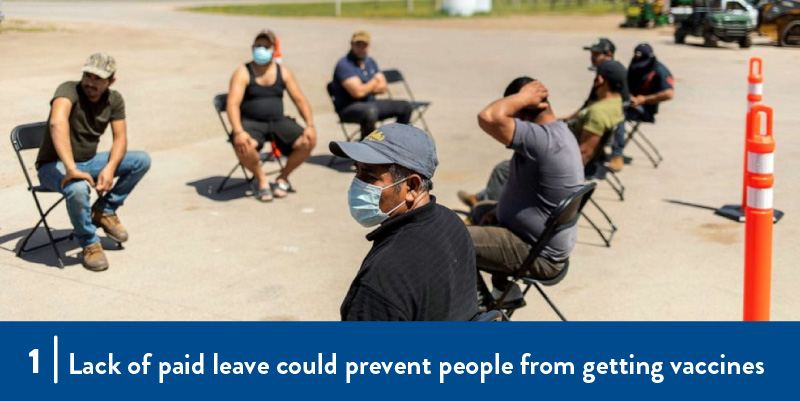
(642,55)
(394,143)
(614,72)
(602,45)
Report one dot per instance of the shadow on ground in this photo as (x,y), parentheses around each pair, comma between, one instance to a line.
(44,254)
(235,188)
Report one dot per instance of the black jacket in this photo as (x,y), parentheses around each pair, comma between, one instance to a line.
(421,267)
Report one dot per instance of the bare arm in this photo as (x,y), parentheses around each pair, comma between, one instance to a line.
(497,119)
(297,96)
(381,85)
(105,179)
(663,96)
(238,84)
(358,89)
(656,98)
(59,132)
(588,144)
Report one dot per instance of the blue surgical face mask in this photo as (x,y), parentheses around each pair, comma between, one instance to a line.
(364,201)
(262,55)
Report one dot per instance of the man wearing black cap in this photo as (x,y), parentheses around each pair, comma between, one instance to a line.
(422,262)
(605,113)
(650,83)
(601,50)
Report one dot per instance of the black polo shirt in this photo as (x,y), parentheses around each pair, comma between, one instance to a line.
(421,267)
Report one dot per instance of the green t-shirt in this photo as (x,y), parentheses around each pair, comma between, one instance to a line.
(599,118)
(87,122)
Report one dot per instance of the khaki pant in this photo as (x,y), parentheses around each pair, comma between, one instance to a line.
(500,252)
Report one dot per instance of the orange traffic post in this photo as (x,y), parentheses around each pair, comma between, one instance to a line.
(755,95)
(759,216)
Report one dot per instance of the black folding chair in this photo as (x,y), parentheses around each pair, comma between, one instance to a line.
(220,104)
(490,316)
(564,216)
(30,136)
(646,146)
(394,76)
(596,169)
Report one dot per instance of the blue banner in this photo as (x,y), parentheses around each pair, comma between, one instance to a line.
(125,360)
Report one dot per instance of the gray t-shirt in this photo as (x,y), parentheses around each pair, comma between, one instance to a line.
(546,168)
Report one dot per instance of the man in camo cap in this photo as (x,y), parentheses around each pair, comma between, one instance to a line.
(69,163)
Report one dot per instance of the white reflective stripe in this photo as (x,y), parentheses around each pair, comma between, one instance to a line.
(761,163)
(759,198)
(755,89)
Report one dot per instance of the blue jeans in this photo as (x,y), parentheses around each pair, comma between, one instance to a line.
(77,193)
(631,114)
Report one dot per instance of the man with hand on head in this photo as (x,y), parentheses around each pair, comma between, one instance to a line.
(255,110)
(545,169)
(356,81)
(68,161)
(422,263)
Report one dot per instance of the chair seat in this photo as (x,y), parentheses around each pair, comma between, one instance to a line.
(553,281)
(40,188)
(417,105)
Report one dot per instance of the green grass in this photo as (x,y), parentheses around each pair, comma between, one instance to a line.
(398,9)
(15,25)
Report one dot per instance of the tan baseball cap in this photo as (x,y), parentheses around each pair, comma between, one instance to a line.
(361,36)
(100,64)
(268,35)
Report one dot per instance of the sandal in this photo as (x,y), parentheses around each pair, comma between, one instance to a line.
(264,195)
(280,188)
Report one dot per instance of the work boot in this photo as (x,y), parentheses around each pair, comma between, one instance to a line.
(94,258)
(110,224)
(616,163)
(467,198)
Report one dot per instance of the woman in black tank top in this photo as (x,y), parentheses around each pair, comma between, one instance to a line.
(263,103)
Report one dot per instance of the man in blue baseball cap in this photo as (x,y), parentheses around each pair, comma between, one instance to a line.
(422,262)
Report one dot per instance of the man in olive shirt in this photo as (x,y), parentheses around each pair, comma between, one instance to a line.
(605,113)
(69,163)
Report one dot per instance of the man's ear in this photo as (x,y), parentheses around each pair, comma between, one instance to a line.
(414,182)
(112,80)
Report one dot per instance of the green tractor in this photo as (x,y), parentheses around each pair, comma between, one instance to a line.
(640,13)
(715,20)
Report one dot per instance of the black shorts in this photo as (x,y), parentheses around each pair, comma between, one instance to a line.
(285,131)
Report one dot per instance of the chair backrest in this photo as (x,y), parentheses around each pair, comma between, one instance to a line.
(329,88)
(27,136)
(395,76)
(220,105)
(489,316)
(392,76)
(565,215)
(596,169)
(221,102)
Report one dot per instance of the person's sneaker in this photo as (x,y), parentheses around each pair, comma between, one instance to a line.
(514,299)
(110,224)
(467,198)
(616,163)
(94,258)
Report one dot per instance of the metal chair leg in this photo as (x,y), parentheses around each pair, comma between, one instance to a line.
(597,229)
(655,160)
(552,305)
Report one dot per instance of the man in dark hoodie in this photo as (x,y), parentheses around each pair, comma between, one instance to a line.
(650,83)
